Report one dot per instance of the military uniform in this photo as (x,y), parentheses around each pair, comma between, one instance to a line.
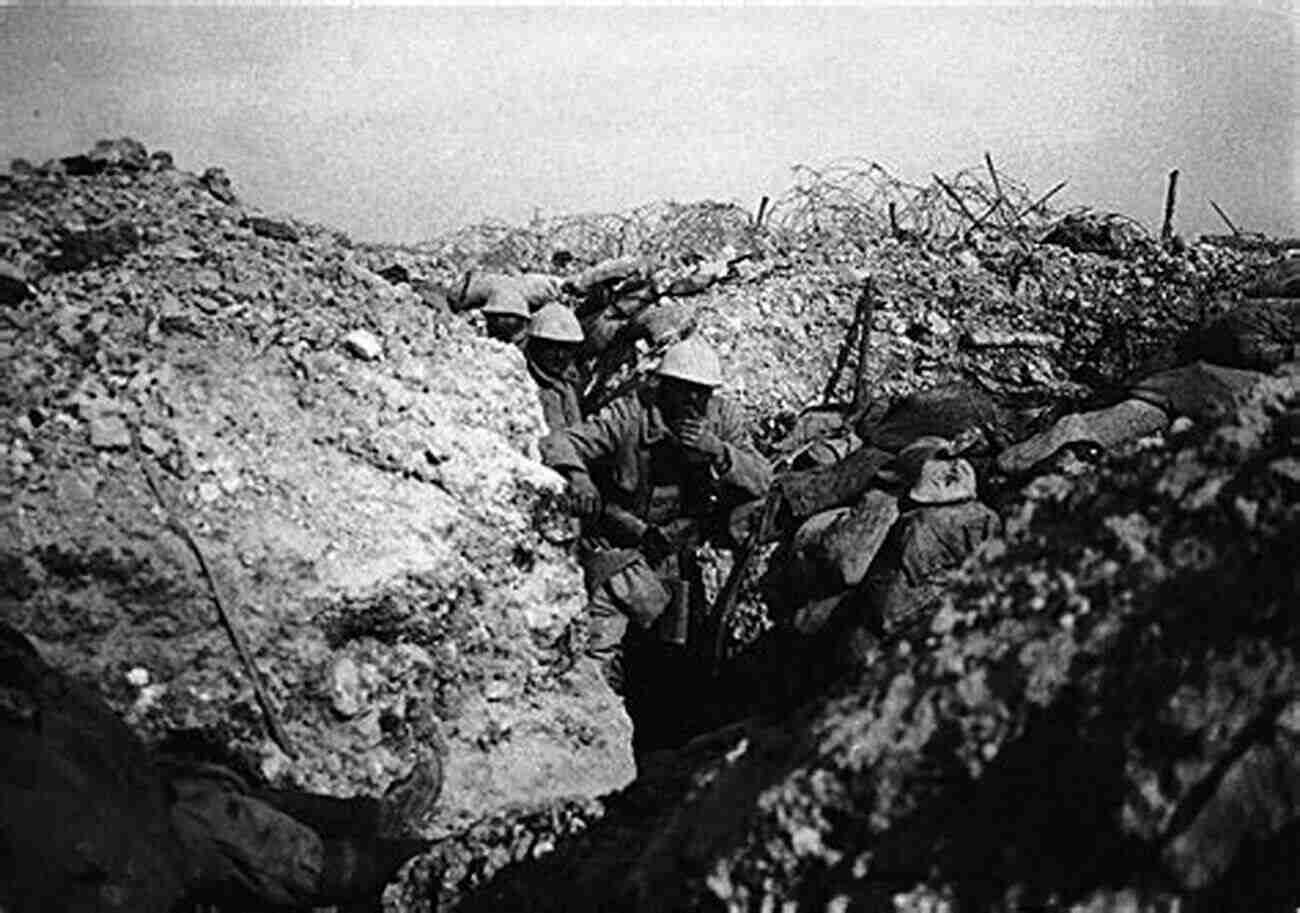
(646,480)
(554,336)
(558,396)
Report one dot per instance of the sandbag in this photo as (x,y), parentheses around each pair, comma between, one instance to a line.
(831,551)
(813,424)
(811,491)
(924,543)
(536,289)
(663,323)
(539,288)
(946,411)
(616,269)
(852,542)
(1199,390)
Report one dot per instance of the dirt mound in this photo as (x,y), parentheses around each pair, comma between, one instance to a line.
(1026,322)
(356,466)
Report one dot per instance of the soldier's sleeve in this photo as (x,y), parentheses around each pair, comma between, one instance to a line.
(746,469)
(578,446)
(552,403)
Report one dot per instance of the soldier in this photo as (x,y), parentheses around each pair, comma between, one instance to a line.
(652,475)
(553,340)
(506,315)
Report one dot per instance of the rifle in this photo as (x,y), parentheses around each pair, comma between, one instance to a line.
(724,605)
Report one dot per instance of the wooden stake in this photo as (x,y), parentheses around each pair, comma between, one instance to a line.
(1167,228)
(1224,216)
(977,223)
(273,724)
(862,380)
(997,187)
(762,211)
(1041,200)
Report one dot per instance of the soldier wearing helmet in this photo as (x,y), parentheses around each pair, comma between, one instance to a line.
(506,314)
(553,340)
(654,474)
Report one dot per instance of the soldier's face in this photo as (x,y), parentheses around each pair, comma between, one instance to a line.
(506,327)
(551,356)
(680,400)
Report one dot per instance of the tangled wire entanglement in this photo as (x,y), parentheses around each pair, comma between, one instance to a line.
(678,231)
(857,198)
(848,202)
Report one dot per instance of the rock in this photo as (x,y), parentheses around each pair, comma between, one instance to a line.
(1287,468)
(215,181)
(81,247)
(153,442)
(937,325)
(346,694)
(173,314)
(124,153)
(109,432)
(13,285)
(363,344)
(272,228)
(395,273)
(161,160)
(207,281)
(497,690)
(988,338)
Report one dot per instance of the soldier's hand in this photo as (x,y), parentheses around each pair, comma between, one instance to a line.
(694,436)
(584,498)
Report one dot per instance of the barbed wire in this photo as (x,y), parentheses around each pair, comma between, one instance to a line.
(847,202)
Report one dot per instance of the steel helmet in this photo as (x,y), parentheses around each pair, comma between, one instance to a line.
(506,299)
(556,323)
(692,360)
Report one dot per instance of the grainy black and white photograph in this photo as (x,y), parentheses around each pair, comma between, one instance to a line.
(650,459)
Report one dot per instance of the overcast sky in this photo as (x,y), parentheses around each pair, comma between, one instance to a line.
(394,124)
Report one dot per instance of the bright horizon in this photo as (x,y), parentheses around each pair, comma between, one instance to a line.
(398,124)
